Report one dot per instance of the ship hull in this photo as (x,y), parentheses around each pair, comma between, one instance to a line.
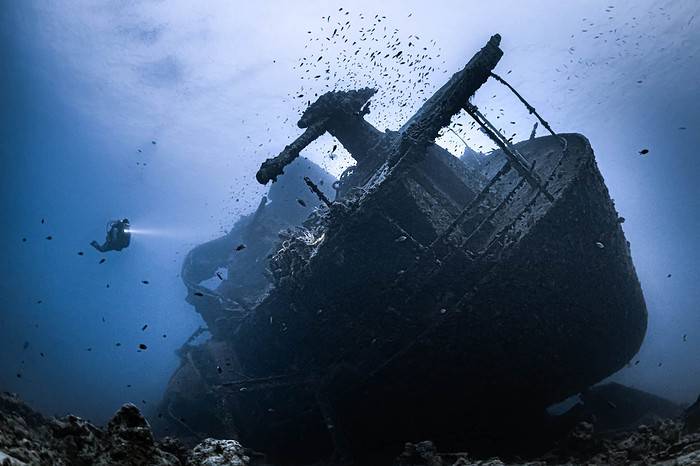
(406,320)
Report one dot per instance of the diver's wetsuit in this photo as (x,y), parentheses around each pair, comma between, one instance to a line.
(118,237)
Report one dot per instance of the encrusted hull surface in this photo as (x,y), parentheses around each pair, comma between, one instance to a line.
(432,297)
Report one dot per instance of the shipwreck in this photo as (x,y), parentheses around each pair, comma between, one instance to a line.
(423,295)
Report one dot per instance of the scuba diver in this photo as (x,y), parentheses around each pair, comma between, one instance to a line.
(118,236)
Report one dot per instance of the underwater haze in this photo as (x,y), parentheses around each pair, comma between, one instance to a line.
(162,111)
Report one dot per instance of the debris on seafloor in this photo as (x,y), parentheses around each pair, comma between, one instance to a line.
(497,242)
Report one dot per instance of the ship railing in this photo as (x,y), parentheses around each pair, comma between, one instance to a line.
(515,160)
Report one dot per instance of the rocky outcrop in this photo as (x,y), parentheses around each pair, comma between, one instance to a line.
(28,438)
(212,452)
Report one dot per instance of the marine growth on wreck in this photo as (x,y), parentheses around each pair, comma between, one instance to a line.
(429,284)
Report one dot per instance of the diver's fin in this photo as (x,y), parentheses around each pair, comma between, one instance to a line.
(97,246)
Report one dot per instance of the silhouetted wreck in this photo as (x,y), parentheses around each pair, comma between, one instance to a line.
(433,296)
